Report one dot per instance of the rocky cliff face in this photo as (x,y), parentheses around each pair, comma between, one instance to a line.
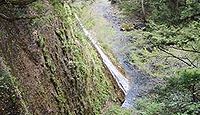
(46,64)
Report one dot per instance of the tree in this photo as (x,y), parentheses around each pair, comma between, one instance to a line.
(143,10)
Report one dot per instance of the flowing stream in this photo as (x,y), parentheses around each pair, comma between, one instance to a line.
(120,79)
(106,30)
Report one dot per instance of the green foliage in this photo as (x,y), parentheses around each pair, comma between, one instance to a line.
(184,38)
(176,96)
(189,77)
(117,110)
(149,107)
(181,93)
(170,42)
(173,12)
(176,34)
(170,35)
(128,6)
(187,81)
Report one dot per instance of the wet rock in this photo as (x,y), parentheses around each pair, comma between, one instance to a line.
(113,1)
(140,26)
(149,49)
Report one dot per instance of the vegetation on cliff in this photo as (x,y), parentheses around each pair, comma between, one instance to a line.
(47,65)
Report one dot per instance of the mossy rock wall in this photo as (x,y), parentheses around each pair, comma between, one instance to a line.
(48,66)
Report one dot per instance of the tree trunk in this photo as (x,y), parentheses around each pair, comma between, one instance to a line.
(143,10)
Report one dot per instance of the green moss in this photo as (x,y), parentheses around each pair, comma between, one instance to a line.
(60,98)
(10,95)
(59,95)
(41,41)
(88,70)
(127,27)
(38,7)
(1,34)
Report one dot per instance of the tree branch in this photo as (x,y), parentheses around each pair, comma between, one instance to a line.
(190,61)
(175,56)
(188,50)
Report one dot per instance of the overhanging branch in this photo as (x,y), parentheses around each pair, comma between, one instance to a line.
(176,57)
(188,50)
